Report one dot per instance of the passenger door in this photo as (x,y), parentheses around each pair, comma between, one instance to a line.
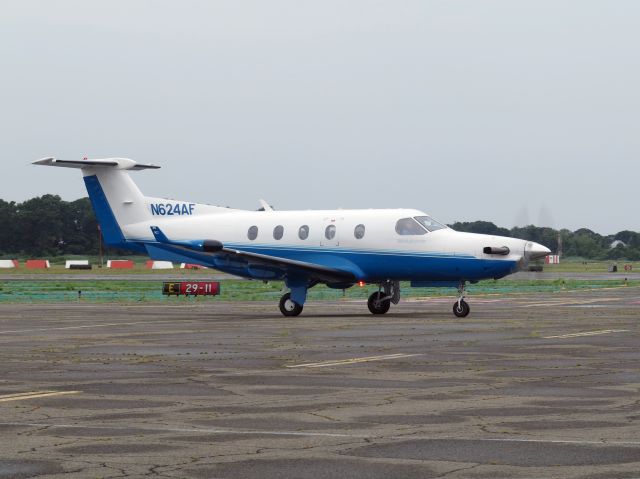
(330,233)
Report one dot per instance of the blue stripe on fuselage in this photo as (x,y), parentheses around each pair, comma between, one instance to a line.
(365,265)
(372,266)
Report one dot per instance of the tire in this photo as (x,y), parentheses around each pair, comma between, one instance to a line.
(461,310)
(288,307)
(376,306)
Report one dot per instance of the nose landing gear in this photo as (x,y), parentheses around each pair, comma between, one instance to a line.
(461,308)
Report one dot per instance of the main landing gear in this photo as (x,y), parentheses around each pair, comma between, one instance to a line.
(380,301)
(461,308)
(288,307)
(377,304)
(291,303)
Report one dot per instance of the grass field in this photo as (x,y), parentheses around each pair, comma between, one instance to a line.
(26,291)
(568,265)
(582,266)
(50,286)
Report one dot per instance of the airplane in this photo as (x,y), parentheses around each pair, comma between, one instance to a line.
(338,248)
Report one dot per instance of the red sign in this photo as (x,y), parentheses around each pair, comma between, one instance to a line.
(37,264)
(191,288)
(120,264)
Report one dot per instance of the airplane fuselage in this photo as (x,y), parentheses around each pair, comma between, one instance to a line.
(365,242)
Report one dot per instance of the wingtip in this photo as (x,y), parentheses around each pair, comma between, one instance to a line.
(44,161)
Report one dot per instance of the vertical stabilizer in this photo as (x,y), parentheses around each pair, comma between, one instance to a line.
(116,199)
(124,213)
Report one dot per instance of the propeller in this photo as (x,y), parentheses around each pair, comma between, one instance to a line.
(532,252)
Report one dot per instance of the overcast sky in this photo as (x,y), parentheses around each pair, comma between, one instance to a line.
(509,111)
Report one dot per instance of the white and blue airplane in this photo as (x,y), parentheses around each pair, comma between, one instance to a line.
(339,248)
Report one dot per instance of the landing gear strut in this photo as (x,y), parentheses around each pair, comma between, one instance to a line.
(461,308)
(380,301)
(377,304)
(288,307)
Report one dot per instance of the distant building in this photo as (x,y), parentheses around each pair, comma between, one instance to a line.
(617,243)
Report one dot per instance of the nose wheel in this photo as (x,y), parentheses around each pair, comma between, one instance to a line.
(288,307)
(461,308)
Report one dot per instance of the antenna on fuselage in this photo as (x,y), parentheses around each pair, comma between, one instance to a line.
(265,206)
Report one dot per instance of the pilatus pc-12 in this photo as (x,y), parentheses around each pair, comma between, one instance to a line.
(338,248)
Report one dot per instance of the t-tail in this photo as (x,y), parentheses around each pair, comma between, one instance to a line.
(123,212)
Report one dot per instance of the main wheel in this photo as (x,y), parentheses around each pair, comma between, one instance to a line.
(461,309)
(377,305)
(288,307)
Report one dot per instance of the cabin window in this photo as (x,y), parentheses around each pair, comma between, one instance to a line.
(252,233)
(330,232)
(358,232)
(278,232)
(408,226)
(429,223)
(303,232)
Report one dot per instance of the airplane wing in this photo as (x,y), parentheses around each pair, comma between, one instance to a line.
(287,266)
(320,272)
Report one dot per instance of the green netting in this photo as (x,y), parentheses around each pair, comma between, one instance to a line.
(233,290)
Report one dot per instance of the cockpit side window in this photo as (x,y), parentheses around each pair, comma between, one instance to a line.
(408,226)
(429,223)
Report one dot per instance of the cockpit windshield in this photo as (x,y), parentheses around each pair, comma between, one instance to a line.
(429,223)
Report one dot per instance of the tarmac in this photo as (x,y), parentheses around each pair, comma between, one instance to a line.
(527,386)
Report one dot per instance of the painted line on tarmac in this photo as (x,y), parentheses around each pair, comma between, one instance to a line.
(567,303)
(35,395)
(103,325)
(240,432)
(448,299)
(188,430)
(587,333)
(343,362)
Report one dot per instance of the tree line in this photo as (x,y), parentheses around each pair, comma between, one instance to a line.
(582,243)
(49,226)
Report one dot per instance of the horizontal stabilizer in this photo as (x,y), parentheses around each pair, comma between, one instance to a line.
(115,163)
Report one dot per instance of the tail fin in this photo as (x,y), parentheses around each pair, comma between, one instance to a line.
(123,212)
(115,197)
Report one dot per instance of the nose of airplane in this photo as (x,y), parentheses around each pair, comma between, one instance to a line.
(534,251)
